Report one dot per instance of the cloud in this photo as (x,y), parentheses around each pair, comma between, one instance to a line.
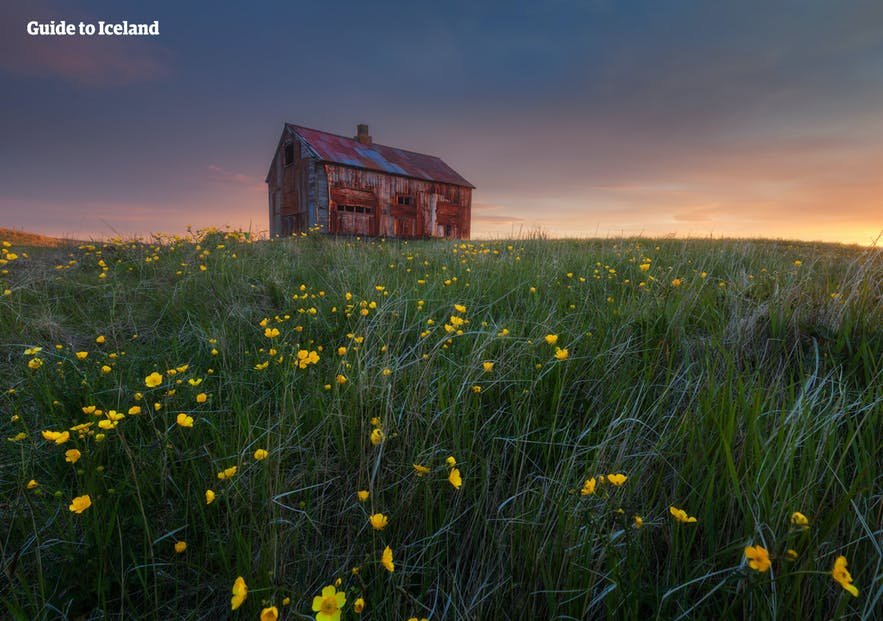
(487,213)
(93,61)
(222,175)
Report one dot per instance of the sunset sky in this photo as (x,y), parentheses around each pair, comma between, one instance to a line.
(577,117)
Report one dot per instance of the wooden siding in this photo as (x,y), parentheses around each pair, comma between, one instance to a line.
(352,201)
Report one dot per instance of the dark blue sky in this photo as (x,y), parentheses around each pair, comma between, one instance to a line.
(580,117)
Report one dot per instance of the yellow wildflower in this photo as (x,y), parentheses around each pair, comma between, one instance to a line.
(378,521)
(184,421)
(80,504)
(459,308)
(842,576)
(676,282)
(240,592)
(228,473)
(386,560)
(271,333)
(153,380)
(81,355)
(759,558)
(329,604)
(59,437)
(680,515)
(561,354)
(72,455)
(589,487)
(639,521)
(451,461)
(270,614)
(209,496)
(35,363)
(487,366)
(421,470)
(134,410)
(551,339)
(362,495)
(454,478)
(798,519)
(341,379)
(616,479)
(100,338)
(359,606)
(377,436)
(260,454)
(32,484)
(201,397)
(180,547)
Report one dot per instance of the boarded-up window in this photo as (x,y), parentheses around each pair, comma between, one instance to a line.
(354,211)
(289,153)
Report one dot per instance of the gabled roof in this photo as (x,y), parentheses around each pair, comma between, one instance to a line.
(336,149)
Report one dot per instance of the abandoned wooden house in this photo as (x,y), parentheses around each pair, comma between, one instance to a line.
(352,186)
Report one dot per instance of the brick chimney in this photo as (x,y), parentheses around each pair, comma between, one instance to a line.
(362,134)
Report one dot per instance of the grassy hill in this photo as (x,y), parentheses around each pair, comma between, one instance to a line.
(511,429)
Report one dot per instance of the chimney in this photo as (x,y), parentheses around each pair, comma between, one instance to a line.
(362,136)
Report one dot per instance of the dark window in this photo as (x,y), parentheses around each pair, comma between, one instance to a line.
(355,209)
(289,153)
(404,199)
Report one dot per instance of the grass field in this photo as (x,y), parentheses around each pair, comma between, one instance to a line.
(535,422)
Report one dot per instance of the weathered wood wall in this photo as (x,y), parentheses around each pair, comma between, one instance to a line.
(345,200)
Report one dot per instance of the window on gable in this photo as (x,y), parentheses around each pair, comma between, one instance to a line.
(404,199)
(289,153)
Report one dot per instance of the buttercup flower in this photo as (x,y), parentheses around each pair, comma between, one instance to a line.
(260,454)
(639,521)
(386,560)
(329,604)
(201,397)
(185,421)
(82,355)
(561,354)
(487,366)
(842,576)
(153,380)
(362,495)
(209,496)
(455,479)
(377,436)
(80,504)
(240,592)
(551,339)
(271,333)
(270,614)
(32,484)
(59,437)
(226,474)
(72,455)
(680,515)
(421,470)
(798,519)
(759,558)
(616,479)
(378,521)
(359,606)
(589,487)
(180,547)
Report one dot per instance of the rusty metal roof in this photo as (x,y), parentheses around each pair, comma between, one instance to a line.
(350,152)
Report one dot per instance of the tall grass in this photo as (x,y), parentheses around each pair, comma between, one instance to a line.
(739,381)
